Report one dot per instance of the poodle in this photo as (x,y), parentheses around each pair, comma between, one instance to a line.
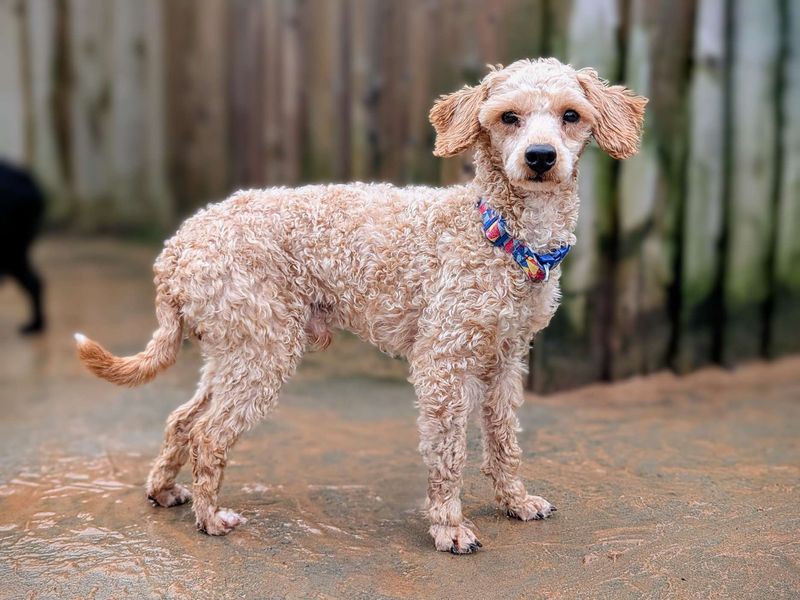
(457,280)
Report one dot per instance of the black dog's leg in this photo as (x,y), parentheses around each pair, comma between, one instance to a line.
(30,281)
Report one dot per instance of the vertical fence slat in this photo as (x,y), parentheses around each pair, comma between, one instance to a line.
(651,189)
(137,194)
(195,54)
(637,196)
(320,29)
(127,122)
(423,34)
(292,102)
(705,172)
(155,144)
(754,71)
(91,110)
(785,334)
(46,159)
(12,101)
(246,93)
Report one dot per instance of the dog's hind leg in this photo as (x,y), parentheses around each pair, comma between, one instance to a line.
(22,270)
(501,451)
(161,487)
(245,387)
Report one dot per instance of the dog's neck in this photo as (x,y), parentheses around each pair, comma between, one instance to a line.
(545,220)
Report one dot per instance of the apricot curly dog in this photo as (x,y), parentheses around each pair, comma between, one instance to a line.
(457,280)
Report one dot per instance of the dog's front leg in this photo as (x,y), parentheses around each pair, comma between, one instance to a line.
(502,452)
(445,397)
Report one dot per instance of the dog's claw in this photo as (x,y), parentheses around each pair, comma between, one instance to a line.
(472,547)
(533,508)
(553,509)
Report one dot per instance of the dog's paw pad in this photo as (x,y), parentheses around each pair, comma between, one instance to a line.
(533,508)
(456,540)
(174,496)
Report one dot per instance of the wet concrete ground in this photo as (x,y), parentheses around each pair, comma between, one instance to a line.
(666,487)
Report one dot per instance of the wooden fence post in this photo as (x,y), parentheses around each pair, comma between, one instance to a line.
(195,54)
(753,122)
(651,189)
(46,156)
(246,93)
(702,222)
(13,114)
(785,325)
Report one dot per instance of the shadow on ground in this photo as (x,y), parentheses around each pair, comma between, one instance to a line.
(666,487)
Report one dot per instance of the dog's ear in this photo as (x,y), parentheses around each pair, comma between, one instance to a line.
(455,119)
(620,114)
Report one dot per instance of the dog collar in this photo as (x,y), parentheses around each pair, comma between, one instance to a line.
(536,266)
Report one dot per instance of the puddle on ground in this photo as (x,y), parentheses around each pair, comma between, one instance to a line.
(73,516)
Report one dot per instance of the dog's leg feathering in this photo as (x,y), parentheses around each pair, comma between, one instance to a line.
(246,380)
(445,398)
(161,487)
(501,450)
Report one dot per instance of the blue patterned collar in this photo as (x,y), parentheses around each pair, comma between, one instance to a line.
(536,266)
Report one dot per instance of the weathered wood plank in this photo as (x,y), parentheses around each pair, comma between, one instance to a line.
(195,54)
(320,19)
(651,189)
(570,351)
(703,215)
(423,53)
(754,72)
(246,90)
(138,193)
(13,114)
(293,98)
(360,82)
(155,144)
(46,159)
(391,81)
(785,324)
(91,111)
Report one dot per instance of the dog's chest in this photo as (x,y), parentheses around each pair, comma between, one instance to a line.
(530,306)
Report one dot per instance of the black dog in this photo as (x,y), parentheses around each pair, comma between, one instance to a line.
(21,209)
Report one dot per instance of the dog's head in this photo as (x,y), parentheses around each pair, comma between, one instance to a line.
(537,116)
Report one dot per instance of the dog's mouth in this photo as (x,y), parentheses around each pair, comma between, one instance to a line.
(538,178)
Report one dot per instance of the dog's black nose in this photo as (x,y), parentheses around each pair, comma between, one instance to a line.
(540,157)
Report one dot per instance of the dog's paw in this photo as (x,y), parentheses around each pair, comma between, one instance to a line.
(456,540)
(531,509)
(221,523)
(173,496)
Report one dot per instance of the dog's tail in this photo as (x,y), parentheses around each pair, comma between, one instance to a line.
(160,353)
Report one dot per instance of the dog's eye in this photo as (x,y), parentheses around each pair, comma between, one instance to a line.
(570,116)
(509,118)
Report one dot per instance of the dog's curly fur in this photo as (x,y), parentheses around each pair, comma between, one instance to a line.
(260,277)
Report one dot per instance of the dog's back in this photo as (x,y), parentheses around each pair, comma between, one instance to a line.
(362,255)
